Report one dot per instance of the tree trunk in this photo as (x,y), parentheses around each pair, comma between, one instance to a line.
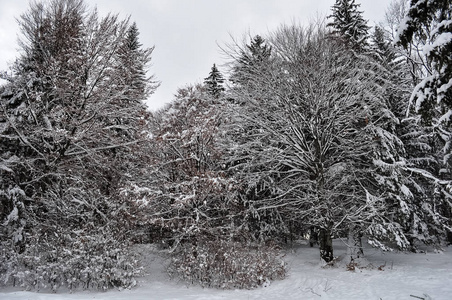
(325,245)
(448,215)
(313,236)
(355,246)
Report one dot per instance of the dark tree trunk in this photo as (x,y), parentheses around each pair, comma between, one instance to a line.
(325,245)
(449,237)
(447,213)
(313,236)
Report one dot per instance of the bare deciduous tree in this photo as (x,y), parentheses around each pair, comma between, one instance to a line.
(71,125)
(318,124)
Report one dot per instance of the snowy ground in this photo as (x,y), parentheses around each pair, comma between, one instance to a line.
(403,276)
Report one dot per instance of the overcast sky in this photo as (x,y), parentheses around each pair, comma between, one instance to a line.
(186,33)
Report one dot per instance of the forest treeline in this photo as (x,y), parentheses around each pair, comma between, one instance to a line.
(332,130)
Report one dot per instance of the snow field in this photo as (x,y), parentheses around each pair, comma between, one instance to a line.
(389,275)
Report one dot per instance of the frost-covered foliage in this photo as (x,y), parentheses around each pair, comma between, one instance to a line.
(187,192)
(426,34)
(214,82)
(194,201)
(318,144)
(348,22)
(227,264)
(81,262)
(315,134)
(70,123)
(430,21)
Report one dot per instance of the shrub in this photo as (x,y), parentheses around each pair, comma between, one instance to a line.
(227,264)
(91,262)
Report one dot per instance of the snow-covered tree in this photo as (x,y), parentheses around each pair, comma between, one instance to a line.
(427,28)
(431,21)
(132,64)
(193,201)
(348,22)
(322,149)
(245,154)
(214,82)
(71,128)
(252,58)
(188,191)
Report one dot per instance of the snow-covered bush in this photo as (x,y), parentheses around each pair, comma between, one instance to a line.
(227,264)
(83,262)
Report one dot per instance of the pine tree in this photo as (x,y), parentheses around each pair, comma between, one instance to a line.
(214,82)
(253,58)
(133,60)
(259,51)
(429,22)
(407,192)
(348,22)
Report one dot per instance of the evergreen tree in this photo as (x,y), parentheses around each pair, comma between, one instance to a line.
(348,22)
(382,47)
(410,194)
(253,58)
(259,51)
(430,23)
(247,156)
(214,82)
(133,60)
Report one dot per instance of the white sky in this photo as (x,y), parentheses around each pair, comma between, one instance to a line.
(186,33)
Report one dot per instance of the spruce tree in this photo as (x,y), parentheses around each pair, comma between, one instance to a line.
(259,51)
(430,23)
(133,60)
(401,174)
(253,58)
(214,82)
(348,22)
